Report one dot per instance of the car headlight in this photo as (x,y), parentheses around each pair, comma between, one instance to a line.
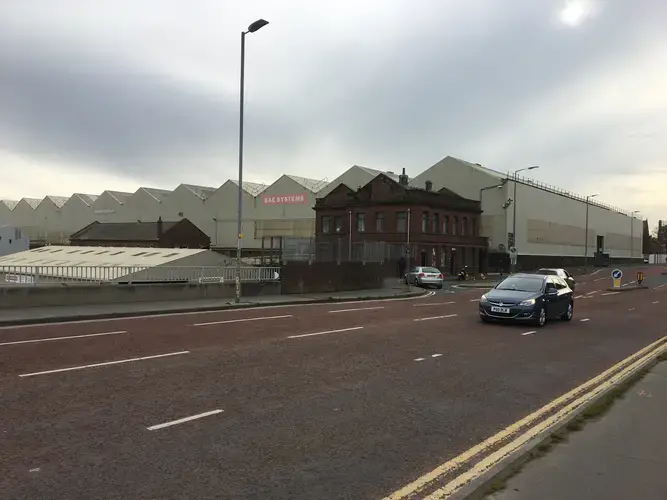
(483,299)
(529,302)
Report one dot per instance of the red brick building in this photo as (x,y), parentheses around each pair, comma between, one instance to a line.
(439,228)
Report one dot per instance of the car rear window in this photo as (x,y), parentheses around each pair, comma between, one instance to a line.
(550,272)
(521,284)
(430,270)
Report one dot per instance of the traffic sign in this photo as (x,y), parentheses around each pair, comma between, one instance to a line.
(640,277)
(617,274)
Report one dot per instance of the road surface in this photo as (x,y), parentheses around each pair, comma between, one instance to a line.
(327,401)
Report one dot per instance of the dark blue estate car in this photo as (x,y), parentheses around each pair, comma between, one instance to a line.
(533,298)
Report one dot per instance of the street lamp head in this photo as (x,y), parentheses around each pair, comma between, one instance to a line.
(592,195)
(533,167)
(257,25)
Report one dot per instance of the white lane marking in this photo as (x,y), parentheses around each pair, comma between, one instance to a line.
(215,311)
(435,317)
(436,355)
(131,360)
(243,320)
(609,293)
(594,291)
(585,319)
(358,309)
(50,339)
(182,420)
(433,304)
(631,309)
(474,300)
(582,284)
(599,279)
(630,282)
(657,301)
(660,286)
(419,359)
(529,333)
(325,333)
(595,272)
(578,296)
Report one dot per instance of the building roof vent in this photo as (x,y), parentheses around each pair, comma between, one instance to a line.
(403,179)
(429,186)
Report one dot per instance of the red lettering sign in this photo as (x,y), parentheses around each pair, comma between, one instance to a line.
(284,199)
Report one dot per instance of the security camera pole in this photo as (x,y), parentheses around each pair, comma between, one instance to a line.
(260,23)
(515,177)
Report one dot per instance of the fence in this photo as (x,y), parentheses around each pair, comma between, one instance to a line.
(39,275)
(340,250)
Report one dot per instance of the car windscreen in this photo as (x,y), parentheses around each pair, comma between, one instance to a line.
(521,284)
(550,272)
(430,270)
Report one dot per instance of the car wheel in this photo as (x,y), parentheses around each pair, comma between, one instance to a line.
(567,315)
(541,317)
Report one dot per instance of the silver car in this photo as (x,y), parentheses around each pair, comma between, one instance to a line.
(424,277)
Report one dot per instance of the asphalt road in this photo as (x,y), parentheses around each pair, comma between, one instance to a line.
(329,401)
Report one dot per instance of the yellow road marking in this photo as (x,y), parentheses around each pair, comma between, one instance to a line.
(422,482)
(493,459)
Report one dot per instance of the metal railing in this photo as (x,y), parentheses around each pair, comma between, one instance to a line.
(39,275)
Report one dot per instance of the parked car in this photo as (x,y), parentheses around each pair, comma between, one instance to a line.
(424,277)
(561,273)
(532,298)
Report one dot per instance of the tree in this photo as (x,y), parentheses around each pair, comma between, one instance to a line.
(646,238)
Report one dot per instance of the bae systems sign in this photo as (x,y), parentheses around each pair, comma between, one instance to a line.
(284,199)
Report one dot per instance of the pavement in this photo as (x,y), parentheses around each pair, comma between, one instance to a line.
(101,311)
(319,400)
(620,456)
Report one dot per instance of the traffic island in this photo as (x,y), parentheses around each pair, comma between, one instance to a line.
(628,288)
(477,284)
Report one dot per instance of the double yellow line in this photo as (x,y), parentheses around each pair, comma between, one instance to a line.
(591,389)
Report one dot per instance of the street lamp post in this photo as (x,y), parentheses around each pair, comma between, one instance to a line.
(586,232)
(514,175)
(260,23)
(632,234)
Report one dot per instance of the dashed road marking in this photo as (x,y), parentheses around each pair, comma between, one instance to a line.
(69,337)
(594,291)
(660,286)
(529,333)
(420,359)
(108,363)
(357,309)
(243,320)
(631,309)
(474,300)
(183,420)
(436,355)
(578,296)
(326,332)
(436,317)
(434,304)
(584,319)
(656,302)
(600,279)
(610,293)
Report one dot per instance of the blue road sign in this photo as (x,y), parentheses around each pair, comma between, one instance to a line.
(617,274)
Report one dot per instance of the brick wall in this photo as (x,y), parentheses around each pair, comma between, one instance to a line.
(324,277)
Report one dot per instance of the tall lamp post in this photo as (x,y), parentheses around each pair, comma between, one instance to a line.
(586,232)
(481,191)
(632,234)
(515,177)
(257,25)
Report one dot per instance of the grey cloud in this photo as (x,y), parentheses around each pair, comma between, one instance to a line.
(433,91)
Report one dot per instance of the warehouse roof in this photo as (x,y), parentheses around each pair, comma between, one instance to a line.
(313,185)
(33,202)
(97,256)
(88,199)
(202,192)
(252,188)
(122,231)
(9,203)
(120,196)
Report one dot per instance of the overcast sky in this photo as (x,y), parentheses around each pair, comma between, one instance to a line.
(127,93)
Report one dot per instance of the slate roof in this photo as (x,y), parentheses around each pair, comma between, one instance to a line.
(121,231)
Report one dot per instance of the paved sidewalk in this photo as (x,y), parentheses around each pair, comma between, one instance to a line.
(622,456)
(101,311)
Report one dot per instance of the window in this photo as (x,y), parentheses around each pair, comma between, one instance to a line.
(464,223)
(424,222)
(338,223)
(455,226)
(401,222)
(326,224)
(379,222)
(436,223)
(361,223)
(445,224)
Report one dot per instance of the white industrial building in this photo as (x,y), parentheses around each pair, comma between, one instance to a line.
(550,222)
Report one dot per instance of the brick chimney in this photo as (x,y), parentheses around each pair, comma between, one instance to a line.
(403,179)
(160,230)
(429,186)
